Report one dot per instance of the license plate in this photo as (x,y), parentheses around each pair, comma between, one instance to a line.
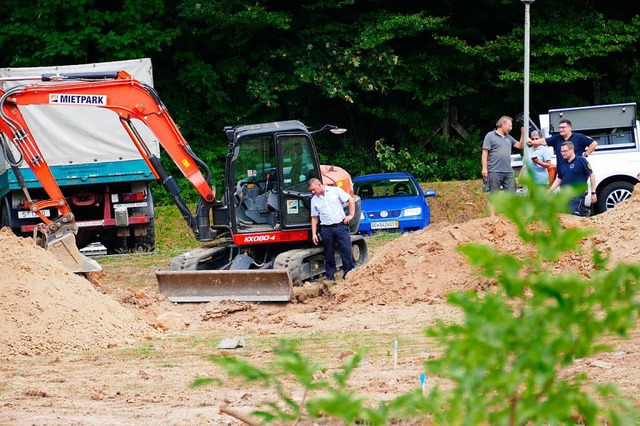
(26,214)
(389,224)
(125,206)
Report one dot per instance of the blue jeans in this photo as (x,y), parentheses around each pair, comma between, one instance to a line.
(332,234)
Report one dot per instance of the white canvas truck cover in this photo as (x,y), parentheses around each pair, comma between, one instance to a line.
(80,134)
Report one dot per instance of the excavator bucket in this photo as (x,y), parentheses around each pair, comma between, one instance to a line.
(63,247)
(255,285)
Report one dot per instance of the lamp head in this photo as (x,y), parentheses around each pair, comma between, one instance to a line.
(330,127)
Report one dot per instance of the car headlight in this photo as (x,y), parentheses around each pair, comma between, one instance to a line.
(361,216)
(414,211)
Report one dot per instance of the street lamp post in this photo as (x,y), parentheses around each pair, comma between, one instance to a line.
(527,16)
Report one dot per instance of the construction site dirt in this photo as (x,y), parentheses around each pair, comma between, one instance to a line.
(92,351)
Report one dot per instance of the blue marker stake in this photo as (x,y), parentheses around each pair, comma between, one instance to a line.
(395,354)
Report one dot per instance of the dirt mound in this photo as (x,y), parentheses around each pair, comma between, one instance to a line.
(424,266)
(619,230)
(46,309)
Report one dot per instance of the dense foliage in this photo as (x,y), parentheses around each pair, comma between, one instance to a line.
(401,72)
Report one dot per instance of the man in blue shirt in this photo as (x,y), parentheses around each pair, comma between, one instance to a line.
(575,171)
(539,161)
(326,208)
(583,144)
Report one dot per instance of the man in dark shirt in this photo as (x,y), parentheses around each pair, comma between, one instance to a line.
(583,144)
(575,171)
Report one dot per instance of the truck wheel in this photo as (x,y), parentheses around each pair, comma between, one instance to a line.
(116,245)
(144,242)
(4,219)
(612,194)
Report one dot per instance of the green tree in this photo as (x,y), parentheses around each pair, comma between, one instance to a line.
(47,32)
(384,69)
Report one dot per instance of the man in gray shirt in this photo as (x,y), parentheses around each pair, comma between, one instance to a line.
(496,157)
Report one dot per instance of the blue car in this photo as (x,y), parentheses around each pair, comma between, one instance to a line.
(392,202)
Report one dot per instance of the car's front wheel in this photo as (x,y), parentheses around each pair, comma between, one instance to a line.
(612,194)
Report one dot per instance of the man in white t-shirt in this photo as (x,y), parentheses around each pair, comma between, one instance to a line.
(326,209)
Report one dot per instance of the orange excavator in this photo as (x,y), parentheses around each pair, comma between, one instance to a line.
(257,235)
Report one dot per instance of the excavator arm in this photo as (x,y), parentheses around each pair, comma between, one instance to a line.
(129,99)
(218,271)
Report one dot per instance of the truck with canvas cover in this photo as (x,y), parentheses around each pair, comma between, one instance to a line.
(257,235)
(101,174)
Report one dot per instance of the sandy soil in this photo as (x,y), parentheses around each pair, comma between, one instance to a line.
(95,352)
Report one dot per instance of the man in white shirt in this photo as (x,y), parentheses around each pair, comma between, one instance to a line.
(326,209)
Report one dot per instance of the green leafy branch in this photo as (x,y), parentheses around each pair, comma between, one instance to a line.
(321,398)
(507,358)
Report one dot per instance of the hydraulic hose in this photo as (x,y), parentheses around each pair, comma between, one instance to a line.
(173,189)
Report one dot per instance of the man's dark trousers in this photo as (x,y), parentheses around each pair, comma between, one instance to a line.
(332,234)
(577,207)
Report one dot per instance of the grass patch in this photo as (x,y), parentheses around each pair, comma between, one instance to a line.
(457,201)
(379,239)
(172,232)
(138,352)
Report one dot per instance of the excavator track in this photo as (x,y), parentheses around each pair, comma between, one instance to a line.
(214,256)
(308,264)
(301,264)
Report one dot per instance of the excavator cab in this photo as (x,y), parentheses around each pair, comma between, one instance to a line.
(267,178)
(267,206)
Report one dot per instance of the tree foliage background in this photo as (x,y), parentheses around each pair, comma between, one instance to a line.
(393,72)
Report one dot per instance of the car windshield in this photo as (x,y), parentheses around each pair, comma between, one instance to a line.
(380,188)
